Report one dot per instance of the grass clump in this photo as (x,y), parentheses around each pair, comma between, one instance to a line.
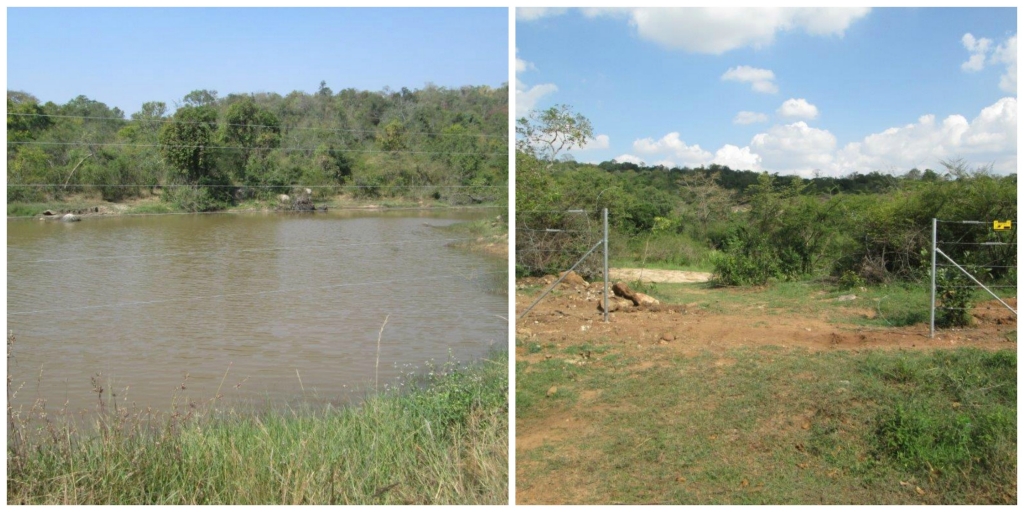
(951,415)
(444,441)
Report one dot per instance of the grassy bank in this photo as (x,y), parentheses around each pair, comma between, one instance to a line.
(444,442)
(491,235)
(766,425)
(85,204)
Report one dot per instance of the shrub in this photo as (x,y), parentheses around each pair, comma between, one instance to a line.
(954,294)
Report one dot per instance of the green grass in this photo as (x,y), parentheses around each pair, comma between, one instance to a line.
(35,209)
(153,208)
(444,442)
(659,265)
(775,426)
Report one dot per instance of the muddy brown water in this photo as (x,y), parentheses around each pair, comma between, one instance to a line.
(287,306)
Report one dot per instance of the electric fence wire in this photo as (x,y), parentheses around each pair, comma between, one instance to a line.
(250,294)
(249,148)
(150,185)
(230,253)
(177,121)
(299,212)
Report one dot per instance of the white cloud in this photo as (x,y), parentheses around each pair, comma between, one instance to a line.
(761,80)
(675,148)
(738,158)
(1006,54)
(795,148)
(535,13)
(978,49)
(671,151)
(527,97)
(598,142)
(745,117)
(990,138)
(521,65)
(720,29)
(982,54)
(627,158)
(798,108)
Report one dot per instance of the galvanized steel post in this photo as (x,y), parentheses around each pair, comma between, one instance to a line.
(606,264)
(935,230)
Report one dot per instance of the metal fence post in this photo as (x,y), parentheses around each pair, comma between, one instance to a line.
(935,224)
(606,264)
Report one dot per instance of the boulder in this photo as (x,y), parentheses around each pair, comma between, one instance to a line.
(70,218)
(614,304)
(623,290)
(573,279)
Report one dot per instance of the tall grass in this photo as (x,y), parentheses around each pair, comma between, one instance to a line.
(445,441)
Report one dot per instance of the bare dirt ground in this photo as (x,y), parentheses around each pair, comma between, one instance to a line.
(571,316)
(653,275)
(658,334)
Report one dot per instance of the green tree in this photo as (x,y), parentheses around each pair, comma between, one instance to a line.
(251,132)
(390,138)
(200,98)
(185,146)
(547,134)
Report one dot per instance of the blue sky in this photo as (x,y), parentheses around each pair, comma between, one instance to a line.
(124,57)
(793,91)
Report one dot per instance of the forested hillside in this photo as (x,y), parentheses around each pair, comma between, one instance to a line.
(751,227)
(208,152)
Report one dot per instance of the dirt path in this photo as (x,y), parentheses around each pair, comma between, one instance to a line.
(653,275)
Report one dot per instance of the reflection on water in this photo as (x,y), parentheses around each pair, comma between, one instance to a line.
(282,302)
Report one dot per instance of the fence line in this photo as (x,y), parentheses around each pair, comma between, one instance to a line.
(569,239)
(952,263)
(245,148)
(235,212)
(178,121)
(268,249)
(157,185)
(248,294)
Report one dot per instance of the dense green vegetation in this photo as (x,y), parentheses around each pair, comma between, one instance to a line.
(443,144)
(446,441)
(751,227)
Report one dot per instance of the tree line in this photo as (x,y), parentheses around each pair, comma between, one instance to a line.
(212,151)
(753,227)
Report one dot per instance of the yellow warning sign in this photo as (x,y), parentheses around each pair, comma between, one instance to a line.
(1001,226)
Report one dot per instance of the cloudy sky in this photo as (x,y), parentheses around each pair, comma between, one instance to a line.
(793,91)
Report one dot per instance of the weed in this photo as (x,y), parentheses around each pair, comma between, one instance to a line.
(445,440)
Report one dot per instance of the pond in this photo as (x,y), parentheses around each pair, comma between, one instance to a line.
(262,307)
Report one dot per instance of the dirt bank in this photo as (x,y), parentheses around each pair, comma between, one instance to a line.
(571,316)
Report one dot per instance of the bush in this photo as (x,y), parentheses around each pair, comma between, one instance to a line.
(748,259)
(850,280)
(954,294)
(198,199)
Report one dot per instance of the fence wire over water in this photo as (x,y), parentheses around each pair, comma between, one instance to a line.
(294,303)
